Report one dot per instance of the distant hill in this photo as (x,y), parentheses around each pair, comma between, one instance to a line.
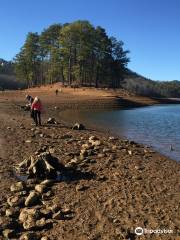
(140,85)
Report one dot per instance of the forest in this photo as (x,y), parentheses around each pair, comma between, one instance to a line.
(76,54)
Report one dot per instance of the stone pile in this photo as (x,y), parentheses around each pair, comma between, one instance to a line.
(27,209)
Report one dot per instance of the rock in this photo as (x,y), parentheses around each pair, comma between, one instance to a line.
(47,182)
(8,128)
(17,187)
(32,181)
(28,217)
(129,152)
(47,213)
(54,208)
(29,213)
(41,223)
(15,201)
(40,188)
(29,236)
(96,143)
(72,163)
(86,146)
(32,199)
(58,215)
(51,121)
(114,147)
(28,141)
(66,210)
(13,212)
(93,138)
(44,238)
(78,126)
(112,138)
(84,152)
(29,224)
(47,195)
(8,233)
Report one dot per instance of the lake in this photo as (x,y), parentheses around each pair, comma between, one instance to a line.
(155,126)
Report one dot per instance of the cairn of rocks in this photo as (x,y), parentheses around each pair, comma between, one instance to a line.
(27,210)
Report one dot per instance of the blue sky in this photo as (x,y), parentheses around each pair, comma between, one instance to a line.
(150,29)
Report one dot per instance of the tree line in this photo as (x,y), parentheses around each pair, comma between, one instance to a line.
(140,85)
(76,54)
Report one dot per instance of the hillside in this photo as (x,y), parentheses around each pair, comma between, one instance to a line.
(140,85)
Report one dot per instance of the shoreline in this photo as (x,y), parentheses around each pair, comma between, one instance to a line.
(133,186)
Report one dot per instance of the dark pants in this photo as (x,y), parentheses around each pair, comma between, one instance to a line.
(37,117)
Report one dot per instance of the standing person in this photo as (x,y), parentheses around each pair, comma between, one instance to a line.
(28,106)
(36,107)
(30,100)
(56,92)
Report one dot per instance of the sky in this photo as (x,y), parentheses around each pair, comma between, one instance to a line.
(150,29)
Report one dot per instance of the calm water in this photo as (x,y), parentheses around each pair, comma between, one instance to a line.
(156,126)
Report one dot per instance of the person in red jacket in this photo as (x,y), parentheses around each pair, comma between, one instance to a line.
(36,107)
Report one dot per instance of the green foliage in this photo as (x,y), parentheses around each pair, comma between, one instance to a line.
(76,53)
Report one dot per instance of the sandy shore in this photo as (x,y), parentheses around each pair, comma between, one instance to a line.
(130,185)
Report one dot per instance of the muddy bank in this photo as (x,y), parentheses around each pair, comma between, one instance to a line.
(129,185)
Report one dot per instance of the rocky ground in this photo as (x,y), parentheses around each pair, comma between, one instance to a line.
(106,188)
